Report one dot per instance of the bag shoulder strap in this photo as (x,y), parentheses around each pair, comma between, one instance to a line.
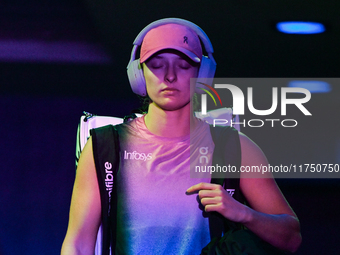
(106,157)
(227,152)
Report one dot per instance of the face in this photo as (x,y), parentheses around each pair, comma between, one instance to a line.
(167,75)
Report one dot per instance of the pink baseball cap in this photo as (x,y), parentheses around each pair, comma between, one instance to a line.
(171,36)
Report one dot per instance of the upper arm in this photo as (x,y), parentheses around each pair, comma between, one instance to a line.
(261,192)
(85,210)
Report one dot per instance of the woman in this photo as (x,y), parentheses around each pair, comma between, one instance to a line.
(155,212)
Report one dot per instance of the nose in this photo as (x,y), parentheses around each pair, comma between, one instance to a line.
(170,75)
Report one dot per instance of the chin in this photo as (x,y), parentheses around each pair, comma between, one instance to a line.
(173,107)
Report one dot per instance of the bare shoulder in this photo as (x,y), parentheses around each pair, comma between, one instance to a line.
(86,167)
(86,177)
(251,152)
(260,189)
(86,197)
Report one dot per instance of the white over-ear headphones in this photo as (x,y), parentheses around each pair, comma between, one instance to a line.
(134,69)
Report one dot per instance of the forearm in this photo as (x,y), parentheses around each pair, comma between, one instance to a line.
(282,231)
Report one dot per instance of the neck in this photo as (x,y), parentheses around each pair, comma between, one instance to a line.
(170,123)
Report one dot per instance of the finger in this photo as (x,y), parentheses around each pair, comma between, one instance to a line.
(209,193)
(210,201)
(200,186)
(213,208)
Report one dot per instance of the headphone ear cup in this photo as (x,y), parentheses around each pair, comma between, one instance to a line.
(136,78)
(205,74)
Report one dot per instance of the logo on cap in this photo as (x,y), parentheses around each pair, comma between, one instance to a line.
(185,39)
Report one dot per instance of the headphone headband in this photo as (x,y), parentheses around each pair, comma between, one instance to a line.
(201,34)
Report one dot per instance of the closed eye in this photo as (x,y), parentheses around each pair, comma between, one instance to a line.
(185,67)
(156,66)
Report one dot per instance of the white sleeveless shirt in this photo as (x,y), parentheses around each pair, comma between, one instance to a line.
(154,215)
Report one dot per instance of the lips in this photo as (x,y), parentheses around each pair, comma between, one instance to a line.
(169,89)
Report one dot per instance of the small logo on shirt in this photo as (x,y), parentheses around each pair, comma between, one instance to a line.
(231,191)
(137,156)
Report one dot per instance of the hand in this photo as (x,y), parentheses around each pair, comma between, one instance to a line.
(215,198)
